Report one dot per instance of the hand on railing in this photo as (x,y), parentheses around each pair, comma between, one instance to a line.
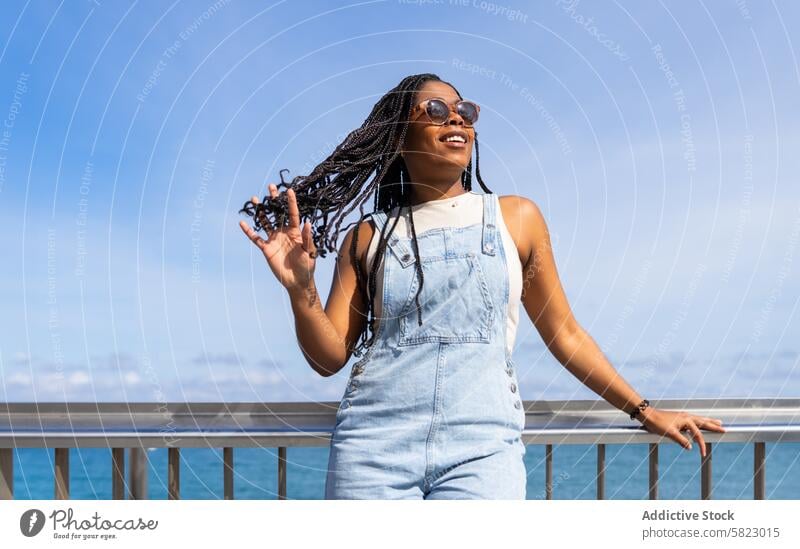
(671,424)
(290,251)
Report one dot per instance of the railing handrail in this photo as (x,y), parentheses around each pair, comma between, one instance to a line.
(709,404)
(273,424)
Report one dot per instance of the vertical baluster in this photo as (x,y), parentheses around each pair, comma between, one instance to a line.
(138,474)
(62,473)
(174,473)
(548,471)
(705,473)
(653,490)
(759,476)
(282,472)
(601,471)
(118,473)
(6,473)
(227,459)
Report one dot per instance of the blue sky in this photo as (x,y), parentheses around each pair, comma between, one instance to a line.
(659,139)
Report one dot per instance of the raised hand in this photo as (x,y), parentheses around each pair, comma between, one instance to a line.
(290,250)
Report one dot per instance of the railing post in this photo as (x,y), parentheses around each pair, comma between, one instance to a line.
(759,476)
(548,471)
(137,483)
(6,473)
(118,473)
(227,459)
(62,473)
(282,472)
(174,473)
(601,471)
(653,490)
(705,473)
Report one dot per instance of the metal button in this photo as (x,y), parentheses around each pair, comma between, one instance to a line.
(513,387)
(510,371)
(517,405)
(345,404)
(353,384)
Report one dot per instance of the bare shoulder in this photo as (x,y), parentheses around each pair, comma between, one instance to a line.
(366,229)
(524,221)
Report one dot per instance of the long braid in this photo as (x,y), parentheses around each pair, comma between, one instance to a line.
(333,189)
(418,265)
(478,166)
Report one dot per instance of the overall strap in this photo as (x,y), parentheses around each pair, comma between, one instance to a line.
(490,233)
(398,246)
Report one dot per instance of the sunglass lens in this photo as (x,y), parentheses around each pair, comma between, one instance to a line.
(438,111)
(468,112)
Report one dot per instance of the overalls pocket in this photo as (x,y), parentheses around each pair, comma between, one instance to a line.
(455,302)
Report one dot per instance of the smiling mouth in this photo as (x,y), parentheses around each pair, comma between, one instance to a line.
(456,136)
(453,143)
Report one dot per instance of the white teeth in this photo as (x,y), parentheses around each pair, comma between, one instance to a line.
(456,138)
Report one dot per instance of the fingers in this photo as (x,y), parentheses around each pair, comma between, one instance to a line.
(252,235)
(308,241)
(710,423)
(294,213)
(273,192)
(262,218)
(678,437)
(698,436)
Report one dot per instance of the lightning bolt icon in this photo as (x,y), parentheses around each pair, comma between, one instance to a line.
(33,521)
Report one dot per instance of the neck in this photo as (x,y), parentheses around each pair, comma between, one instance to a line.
(426,191)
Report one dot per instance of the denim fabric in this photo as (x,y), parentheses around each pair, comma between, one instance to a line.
(434,411)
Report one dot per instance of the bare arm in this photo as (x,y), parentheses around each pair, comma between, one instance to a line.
(546,304)
(326,337)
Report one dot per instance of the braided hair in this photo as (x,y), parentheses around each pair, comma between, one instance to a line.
(334,188)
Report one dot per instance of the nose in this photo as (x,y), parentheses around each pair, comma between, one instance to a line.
(455,118)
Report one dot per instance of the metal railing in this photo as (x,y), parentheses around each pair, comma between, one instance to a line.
(138,426)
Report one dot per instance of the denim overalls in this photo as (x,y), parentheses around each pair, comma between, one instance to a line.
(434,411)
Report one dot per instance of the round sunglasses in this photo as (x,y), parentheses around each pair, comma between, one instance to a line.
(439,112)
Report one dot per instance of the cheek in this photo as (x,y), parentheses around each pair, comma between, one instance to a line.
(430,138)
(418,139)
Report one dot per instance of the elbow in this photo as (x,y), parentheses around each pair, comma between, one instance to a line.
(565,337)
(327,370)
(324,368)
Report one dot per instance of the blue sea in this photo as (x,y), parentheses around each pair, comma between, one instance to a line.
(574,466)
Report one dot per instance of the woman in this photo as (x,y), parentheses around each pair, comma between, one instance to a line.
(432,410)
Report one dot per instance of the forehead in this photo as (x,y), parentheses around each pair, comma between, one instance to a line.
(432,88)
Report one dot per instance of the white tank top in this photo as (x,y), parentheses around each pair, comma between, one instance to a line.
(458,211)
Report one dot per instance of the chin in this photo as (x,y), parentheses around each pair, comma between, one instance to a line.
(452,164)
